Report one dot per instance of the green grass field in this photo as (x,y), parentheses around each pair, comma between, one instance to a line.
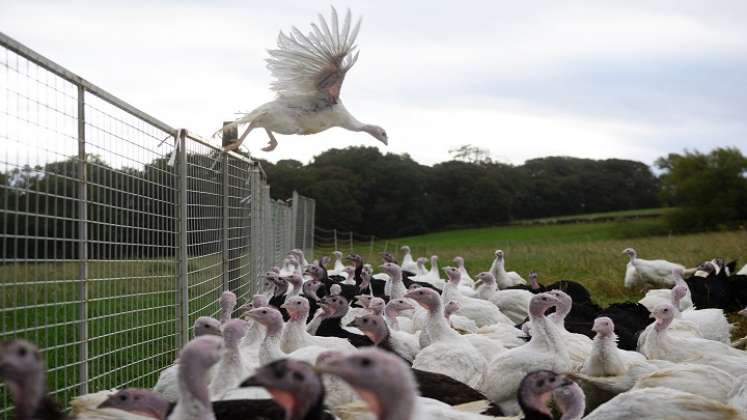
(131,310)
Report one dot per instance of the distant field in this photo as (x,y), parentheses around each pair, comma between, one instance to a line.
(606,216)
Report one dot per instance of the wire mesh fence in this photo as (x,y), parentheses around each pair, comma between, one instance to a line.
(117,231)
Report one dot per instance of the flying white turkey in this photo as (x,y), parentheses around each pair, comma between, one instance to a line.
(309,71)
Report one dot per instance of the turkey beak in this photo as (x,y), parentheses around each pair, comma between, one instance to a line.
(351,324)
(478,283)
(651,315)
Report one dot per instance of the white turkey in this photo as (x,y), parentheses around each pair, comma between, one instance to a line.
(481,311)
(504,278)
(338,269)
(309,71)
(270,349)
(295,336)
(375,328)
(545,350)
(408,264)
(578,345)
(648,403)
(458,322)
(660,344)
(231,368)
(389,389)
(448,353)
(168,383)
(392,312)
(605,359)
(421,271)
(656,297)
(653,273)
(706,381)
(711,322)
(512,302)
(466,278)
(432,276)
(488,347)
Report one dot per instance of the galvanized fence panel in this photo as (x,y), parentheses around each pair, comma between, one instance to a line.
(117,230)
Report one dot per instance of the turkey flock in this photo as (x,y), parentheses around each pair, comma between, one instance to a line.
(330,340)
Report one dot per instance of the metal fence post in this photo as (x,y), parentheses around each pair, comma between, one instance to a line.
(82,244)
(230,135)
(351,241)
(225,228)
(304,224)
(312,203)
(182,284)
(294,220)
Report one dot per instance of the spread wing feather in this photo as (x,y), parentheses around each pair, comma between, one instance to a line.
(314,64)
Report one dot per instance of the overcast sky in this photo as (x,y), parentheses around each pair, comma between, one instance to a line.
(592,79)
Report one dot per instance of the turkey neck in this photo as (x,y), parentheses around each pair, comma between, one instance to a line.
(605,356)
(558,317)
(391,317)
(225,315)
(294,333)
(253,334)
(547,335)
(500,273)
(437,326)
(486,291)
(398,287)
(270,350)
(28,393)
(450,291)
(194,399)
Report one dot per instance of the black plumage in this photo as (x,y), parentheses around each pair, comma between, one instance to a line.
(331,327)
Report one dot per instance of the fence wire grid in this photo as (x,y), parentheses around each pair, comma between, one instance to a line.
(117,231)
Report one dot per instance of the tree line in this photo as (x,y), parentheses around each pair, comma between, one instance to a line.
(363,190)
(389,195)
(132,211)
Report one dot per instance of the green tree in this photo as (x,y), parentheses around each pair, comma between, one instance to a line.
(710,190)
(471,154)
